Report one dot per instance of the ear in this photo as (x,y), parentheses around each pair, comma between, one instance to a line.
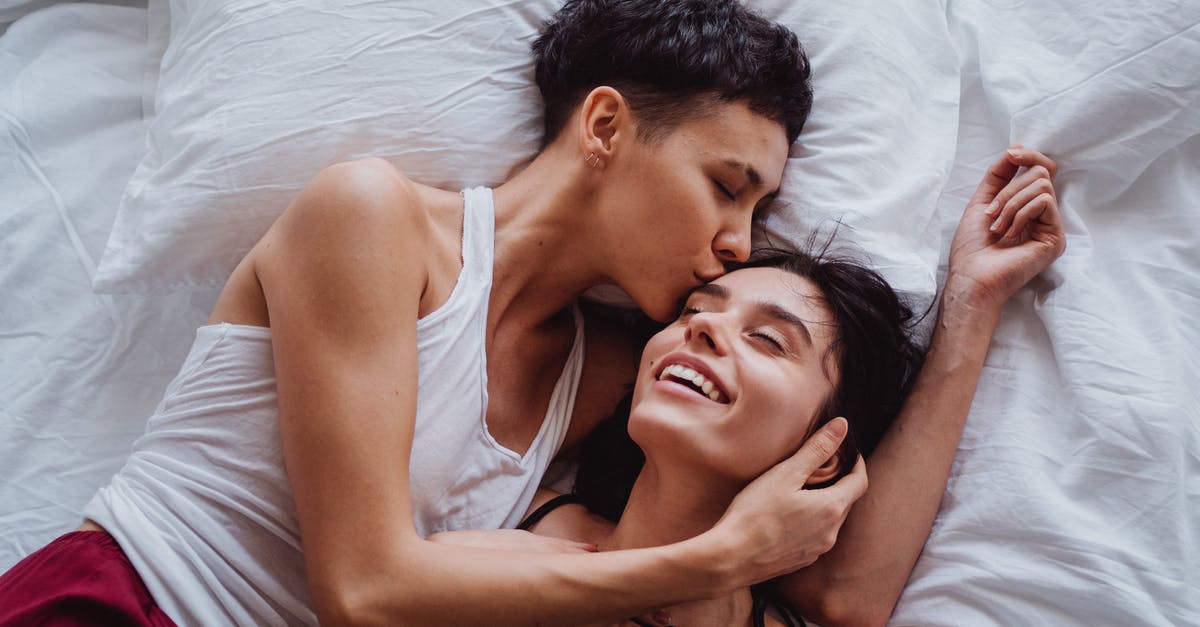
(604,121)
(827,471)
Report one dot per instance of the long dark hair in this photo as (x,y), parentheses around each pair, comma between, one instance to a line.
(876,356)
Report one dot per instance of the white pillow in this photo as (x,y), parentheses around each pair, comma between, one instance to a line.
(255,98)
(880,142)
(12,10)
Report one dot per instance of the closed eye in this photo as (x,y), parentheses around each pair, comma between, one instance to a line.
(768,339)
(724,190)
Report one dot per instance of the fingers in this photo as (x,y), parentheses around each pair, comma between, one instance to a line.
(1037,208)
(820,447)
(583,547)
(1016,195)
(856,481)
(546,544)
(1000,174)
(552,544)
(1027,196)
(1028,158)
(850,488)
(661,618)
(997,176)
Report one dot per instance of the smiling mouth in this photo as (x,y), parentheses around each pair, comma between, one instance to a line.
(694,381)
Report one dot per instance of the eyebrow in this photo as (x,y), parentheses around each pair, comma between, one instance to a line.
(782,315)
(751,173)
(772,310)
(712,289)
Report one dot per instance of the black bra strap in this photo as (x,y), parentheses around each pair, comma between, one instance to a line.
(547,507)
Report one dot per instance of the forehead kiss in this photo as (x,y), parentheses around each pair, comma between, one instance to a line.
(765,317)
(791,303)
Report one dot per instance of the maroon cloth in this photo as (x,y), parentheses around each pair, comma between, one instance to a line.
(82,578)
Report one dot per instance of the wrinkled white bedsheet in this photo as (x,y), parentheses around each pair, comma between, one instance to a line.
(79,373)
(1075,497)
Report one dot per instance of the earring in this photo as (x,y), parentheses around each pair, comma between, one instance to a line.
(592,159)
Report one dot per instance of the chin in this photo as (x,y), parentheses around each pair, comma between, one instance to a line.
(663,433)
(661,309)
(661,304)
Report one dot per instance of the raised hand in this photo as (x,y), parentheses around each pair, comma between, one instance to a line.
(1010,231)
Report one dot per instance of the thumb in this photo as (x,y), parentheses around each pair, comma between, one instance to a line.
(819,447)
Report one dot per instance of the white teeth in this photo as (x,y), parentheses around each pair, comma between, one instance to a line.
(682,372)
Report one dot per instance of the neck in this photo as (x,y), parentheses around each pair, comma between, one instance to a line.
(669,504)
(665,507)
(545,251)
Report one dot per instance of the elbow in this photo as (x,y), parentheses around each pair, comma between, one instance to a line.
(840,614)
(345,606)
(363,601)
(359,588)
(355,608)
(831,607)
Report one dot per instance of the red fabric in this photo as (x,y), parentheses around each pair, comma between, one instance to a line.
(82,578)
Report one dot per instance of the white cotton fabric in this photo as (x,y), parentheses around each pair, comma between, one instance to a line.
(203,507)
(1074,496)
(251,99)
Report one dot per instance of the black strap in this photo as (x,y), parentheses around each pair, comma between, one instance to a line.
(764,598)
(547,507)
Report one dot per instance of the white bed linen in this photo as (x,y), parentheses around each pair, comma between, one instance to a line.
(1075,497)
(79,373)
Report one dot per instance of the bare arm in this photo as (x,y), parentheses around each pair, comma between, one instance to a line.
(343,276)
(860,580)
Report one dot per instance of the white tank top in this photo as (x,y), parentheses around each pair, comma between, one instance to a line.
(203,507)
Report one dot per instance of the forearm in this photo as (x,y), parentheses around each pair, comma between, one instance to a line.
(447,584)
(861,579)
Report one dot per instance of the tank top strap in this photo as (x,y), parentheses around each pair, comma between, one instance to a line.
(479,225)
(562,401)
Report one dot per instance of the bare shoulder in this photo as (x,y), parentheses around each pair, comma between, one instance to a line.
(570,521)
(361,196)
(357,212)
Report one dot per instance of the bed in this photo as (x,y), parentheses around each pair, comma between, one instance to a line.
(134,145)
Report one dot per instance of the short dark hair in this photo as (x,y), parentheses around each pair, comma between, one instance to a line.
(876,356)
(671,59)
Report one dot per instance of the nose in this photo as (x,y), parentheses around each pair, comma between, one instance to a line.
(706,329)
(733,243)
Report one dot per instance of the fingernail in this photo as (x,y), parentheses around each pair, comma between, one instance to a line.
(837,427)
(995,226)
(1013,152)
(993,208)
(662,617)
(591,547)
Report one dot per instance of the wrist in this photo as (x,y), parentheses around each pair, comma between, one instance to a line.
(711,556)
(966,304)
